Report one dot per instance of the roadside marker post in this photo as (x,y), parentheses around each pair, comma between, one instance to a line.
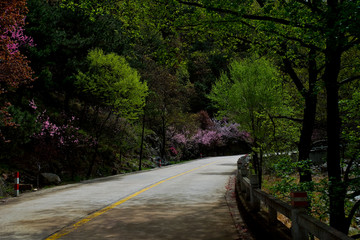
(299,199)
(299,202)
(17,182)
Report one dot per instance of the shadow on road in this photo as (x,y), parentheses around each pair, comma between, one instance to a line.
(217,173)
(228,164)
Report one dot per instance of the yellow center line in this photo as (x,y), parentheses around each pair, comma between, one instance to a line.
(73,227)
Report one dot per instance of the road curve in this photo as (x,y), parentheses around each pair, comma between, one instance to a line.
(184,201)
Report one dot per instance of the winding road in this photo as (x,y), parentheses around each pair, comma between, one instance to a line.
(184,201)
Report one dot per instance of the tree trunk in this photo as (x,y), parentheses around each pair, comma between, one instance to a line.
(309,119)
(142,141)
(257,160)
(92,162)
(305,137)
(98,134)
(163,154)
(261,154)
(67,102)
(337,190)
(83,114)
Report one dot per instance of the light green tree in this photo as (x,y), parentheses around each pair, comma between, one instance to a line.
(112,82)
(252,96)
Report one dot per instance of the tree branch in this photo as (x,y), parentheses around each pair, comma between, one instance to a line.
(289,118)
(354,181)
(309,5)
(350,79)
(216,22)
(354,194)
(300,41)
(356,236)
(347,171)
(260,2)
(287,37)
(290,70)
(246,16)
(354,42)
(353,211)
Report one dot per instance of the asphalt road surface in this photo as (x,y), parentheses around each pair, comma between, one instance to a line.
(184,201)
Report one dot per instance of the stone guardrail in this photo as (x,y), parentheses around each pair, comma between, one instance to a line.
(302,225)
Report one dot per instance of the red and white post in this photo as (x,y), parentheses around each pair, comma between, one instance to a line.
(17,182)
(299,199)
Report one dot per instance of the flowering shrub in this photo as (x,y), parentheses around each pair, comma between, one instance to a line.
(221,134)
(179,138)
(16,38)
(64,135)
(60,145)
(173,151)
(218,133)
(14,67)
(207,138)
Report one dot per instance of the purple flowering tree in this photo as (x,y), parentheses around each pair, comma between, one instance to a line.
(17,38)
(180,139)
(230,132)
(14,66)
(60,144)
(216,135)
(208,138)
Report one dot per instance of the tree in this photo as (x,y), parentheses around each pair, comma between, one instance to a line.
(113,83)
(166,102)
(250,95)
(64,38)
(14,67)
(350,109)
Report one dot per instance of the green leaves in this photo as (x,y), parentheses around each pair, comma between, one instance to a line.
(112,82)
(351,124)
(251,90)
(90,7)
(252,95)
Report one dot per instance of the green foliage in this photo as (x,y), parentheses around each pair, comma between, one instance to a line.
(112,82)
(205,65)
(91,8)
(63,39)
(25,127)
(251,95)
(251,88)
(285,168)
(351,120)
(26,124)
(350,109)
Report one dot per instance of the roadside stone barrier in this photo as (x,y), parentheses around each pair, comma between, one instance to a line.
(265,209)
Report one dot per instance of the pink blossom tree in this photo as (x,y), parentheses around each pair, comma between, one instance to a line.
(14,67)
(216,134)
(59,143)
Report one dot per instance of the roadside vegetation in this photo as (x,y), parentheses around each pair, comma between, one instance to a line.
(93,88)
